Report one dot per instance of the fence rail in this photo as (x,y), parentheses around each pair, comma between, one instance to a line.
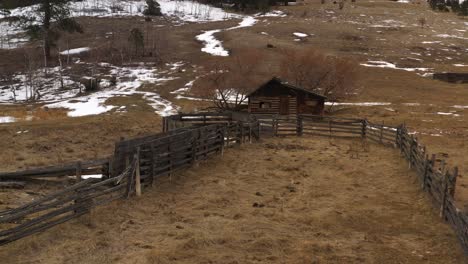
(62,206)
(136,164)
(100,166)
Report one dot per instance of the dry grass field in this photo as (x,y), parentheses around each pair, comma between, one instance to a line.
(315,203)
(294,200)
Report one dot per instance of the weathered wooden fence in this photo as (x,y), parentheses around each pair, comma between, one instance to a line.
(61,206)
(189,138)
(437,179)
(136,163)
(78,169)
(299,125)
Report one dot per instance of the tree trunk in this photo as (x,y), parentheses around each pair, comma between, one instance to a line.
(46,29)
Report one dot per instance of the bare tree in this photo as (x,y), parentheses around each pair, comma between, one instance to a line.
(310,69)
(228,81)
(31,65)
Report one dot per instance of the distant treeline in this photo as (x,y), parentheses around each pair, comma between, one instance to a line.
(244,4)
(10,4)
(456,6)
(235,4)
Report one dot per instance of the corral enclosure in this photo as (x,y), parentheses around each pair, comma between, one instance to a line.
(171,151)
(285,200)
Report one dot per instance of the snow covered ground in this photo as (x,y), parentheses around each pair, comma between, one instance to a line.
(43,85)
(215,47)
(129,80)
(186,11)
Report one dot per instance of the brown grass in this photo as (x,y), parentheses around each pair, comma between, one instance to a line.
(281,201)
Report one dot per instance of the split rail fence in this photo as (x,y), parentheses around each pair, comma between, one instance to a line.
(136,164)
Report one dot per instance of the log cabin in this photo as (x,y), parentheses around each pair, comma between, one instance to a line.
(278,97)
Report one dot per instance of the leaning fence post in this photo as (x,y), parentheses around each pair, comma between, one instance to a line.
(78,171)
(137,174)
(130,172)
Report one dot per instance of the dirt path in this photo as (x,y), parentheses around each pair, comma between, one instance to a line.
(281,201)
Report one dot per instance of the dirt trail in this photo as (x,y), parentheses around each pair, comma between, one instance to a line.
(281,201)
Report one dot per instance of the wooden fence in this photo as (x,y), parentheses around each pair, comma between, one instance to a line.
(437,179)
(299,125)
(78,169)
(188,139)
(64,205)
(137,163)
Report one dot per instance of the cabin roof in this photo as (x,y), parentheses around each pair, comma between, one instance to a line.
(287,85)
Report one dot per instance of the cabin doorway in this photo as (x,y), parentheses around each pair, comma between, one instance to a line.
(284,105)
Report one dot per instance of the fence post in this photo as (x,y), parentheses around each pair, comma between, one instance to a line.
(110,168)
(129,177)
(137,174)
(194,148)
(259,129)
(300,125)
(426,171)
(381,133)
(364,128)
(250,132)
(444,195)
(152,163)
(454,182)
(275,124)
(223,132)
(78,171)
(410,157)
(330,127)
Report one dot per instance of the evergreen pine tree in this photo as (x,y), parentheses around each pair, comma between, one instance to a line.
(463,9)
(51,17)
(153,8)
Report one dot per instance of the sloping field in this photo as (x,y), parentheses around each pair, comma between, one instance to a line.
(293,200)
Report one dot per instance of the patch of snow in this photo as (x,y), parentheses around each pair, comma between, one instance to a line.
(447,114)
(39,85)
(274,13)
(431,42)
(411,104)
(460,65)
(300,35)
(359,104)
(129,80)
(92,176)
(460,106)
(7,119)
(384,64)
(212,45)
(75,51)
(85,105)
